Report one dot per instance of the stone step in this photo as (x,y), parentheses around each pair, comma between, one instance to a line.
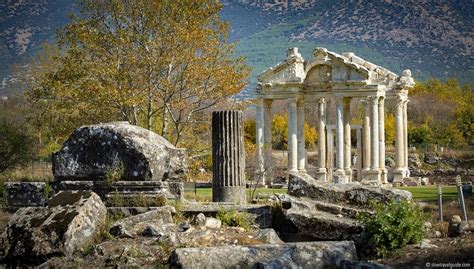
(321,225)
(289,255)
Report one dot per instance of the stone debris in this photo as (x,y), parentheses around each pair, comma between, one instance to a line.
(120,151)
(69,222)
(134,225)
(326,254)
(269,235)
(332,208)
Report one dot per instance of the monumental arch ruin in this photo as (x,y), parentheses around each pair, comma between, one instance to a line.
(331,79)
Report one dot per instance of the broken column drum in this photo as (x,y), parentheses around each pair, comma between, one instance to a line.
(228,157)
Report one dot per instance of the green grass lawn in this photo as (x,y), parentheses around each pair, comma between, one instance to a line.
(205,194)
(430,193)
(422,193)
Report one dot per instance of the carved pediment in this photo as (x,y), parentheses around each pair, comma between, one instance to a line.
(289,71)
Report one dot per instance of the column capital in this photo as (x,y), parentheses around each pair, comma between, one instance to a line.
(347,100)
(300,102)
(373,100)
(267,103)
(381,101)
(322,106)
(292,101)
(322,101)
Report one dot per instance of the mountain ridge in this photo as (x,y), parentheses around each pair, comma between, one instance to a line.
(432,38)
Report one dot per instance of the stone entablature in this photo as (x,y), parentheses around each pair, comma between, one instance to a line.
(331,78)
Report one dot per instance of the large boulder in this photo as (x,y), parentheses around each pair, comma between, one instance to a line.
(119,150)
(353,194)
(330,207)
(69,222)
(290,255)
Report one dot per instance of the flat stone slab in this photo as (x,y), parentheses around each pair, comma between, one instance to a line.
(327,254)
(169,189)
(120,150)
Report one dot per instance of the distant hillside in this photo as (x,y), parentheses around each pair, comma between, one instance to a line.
(432,38)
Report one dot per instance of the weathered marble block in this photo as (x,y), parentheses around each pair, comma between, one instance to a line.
(118,151)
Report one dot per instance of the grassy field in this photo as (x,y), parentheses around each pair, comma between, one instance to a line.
(423,193)
(205,194)
(430,193)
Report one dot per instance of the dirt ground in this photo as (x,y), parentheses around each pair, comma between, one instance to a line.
(449,250)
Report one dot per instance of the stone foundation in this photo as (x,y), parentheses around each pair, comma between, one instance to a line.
(23,194)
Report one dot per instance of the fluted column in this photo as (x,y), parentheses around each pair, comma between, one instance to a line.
(399,171)
(259,122)
(366,139)
(339,174)
(292,136)
(405,137)
(347,139)
(382,140)
(267,139)
(228,157)
(322,171)
(374,134)
(300,135)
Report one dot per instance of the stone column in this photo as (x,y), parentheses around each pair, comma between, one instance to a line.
(399,171)
(339,174)
(267,139)
(359,153)
(383,170)
(228,157)
(330,154)
(292,136)
(259,125)
(405,137)
(374,134)
(366,139)
(374,174)
(347,139)
(300,136)
(322,172)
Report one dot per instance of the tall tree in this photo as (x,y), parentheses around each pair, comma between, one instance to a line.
(157,64)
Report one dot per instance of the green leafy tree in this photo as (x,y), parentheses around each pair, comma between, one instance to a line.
(15,146)
(157,64)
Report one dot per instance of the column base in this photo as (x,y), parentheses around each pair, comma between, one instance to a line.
(321,174)
(371,177)
(339,176)
(348,172)
(268,178)
(234,194)
(398,175)
(384,176)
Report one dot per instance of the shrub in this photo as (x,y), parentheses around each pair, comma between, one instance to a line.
(235,219)
(392,226)
(15,146)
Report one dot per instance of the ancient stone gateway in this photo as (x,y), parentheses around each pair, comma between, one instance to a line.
(331,79)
